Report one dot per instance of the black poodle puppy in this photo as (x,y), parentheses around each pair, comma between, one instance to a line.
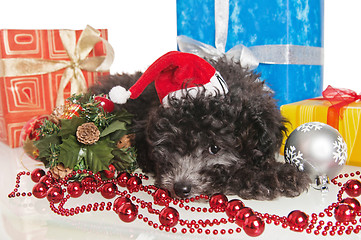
(201,144)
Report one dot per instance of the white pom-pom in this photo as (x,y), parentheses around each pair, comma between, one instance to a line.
(119,95)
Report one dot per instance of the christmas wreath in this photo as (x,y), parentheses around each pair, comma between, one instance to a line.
(83,134)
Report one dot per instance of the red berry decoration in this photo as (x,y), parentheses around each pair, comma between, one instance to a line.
(109,173)
(218,201)
(169,217)
(161,197)
(107,104)
(253,226)
(297,220)
(353,202)
(133,183)
(109,190)
(233,207)
(55,194)
(39,190)
(128,212)
(353,188)
(75,189)
(344,213)
(242,215)
(123,178)
(120,201)
(36,174)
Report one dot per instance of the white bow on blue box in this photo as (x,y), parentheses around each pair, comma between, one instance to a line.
(282,39)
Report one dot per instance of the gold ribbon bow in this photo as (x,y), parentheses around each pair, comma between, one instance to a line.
(79,60)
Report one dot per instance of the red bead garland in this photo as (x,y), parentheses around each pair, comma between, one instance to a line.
(242,215)
(128,212)
(254,226)
(355,204)
(75,189)
(353,188)
(120,201)
(233,207)
(37,174)
(40,190)
(108,190)
(161,197)
(169,217)
(55,194)
(344,213)
(298,220)
(253,223)
(218,202)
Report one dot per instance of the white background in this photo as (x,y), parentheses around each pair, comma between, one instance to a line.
(142,30)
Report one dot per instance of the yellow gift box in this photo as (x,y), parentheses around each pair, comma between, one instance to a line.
(347,119)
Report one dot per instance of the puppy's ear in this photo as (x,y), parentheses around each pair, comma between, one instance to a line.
(259,128)
(270,129)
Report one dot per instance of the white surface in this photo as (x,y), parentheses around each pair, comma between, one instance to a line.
(31,218)
(141,30)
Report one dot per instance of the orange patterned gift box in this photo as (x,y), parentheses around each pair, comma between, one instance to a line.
(41,68)
(342,115)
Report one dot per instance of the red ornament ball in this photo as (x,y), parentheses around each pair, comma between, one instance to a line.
(39,190)
(36,174)
(106,104)
(253,226)
(218,201)
(123,178)
(353,188)
(133,183)
(233,207)
(55,194)
(47,180)
(30,133)
(169,217)
(120,201)
(353,202)
(128,212)
(298,220)
(344,213)
(109,190)
(109,173)
(75,189)
(161,197)
(29,130)
(242,215)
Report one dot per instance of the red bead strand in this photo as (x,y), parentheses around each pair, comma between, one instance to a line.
(317,225)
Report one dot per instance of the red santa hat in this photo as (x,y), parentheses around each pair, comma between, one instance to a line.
(171,73)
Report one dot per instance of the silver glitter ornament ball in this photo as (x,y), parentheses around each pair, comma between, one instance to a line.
(319,150)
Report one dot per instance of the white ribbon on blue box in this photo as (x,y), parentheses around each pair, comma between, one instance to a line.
(282,39)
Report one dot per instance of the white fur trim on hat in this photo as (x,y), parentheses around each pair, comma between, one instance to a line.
(119,95)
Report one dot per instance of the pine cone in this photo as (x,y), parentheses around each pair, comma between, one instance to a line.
(60,172)
(88,133)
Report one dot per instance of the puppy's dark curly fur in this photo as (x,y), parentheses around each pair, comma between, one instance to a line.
(204,145)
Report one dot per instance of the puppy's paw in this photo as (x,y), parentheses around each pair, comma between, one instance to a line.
(292,182)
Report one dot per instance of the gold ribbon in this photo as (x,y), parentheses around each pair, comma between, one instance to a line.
(79,60)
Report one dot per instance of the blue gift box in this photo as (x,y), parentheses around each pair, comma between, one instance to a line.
(267,23)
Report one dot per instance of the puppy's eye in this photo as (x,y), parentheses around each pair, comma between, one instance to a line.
(213,149)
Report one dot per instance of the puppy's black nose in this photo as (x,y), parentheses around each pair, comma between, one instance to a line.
(182,190)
